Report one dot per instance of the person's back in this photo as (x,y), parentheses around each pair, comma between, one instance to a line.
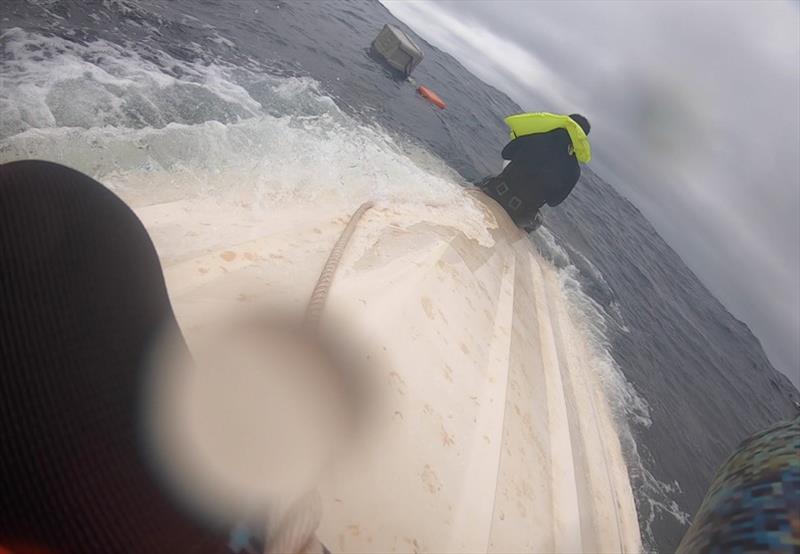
(545,166)
(543,169)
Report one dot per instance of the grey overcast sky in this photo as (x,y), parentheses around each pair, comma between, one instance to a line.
(695,111)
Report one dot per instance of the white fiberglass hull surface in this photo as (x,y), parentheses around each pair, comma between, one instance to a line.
(495,435)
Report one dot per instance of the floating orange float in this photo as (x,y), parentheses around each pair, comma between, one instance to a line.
(431,97)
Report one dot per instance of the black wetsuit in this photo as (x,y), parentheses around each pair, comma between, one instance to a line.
(543,170)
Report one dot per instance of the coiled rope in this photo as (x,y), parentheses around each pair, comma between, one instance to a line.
(317,302)
(295,533)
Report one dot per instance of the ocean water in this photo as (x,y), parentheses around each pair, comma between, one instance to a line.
(282,101)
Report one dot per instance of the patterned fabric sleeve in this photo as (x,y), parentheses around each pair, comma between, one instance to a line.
(753,504)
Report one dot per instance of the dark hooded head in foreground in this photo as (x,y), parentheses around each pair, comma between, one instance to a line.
(82,302)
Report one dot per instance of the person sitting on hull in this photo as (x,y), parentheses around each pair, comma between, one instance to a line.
(544,157)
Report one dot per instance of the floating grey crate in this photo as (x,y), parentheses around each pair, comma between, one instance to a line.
(397,49)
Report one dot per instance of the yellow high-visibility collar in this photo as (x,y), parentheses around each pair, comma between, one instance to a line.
(543,122)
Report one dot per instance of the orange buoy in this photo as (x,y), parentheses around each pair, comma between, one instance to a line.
(431,97)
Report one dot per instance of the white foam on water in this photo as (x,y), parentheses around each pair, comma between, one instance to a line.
(158,129)
(53,82)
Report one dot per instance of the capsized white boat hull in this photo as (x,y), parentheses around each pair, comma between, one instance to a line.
(491,432)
